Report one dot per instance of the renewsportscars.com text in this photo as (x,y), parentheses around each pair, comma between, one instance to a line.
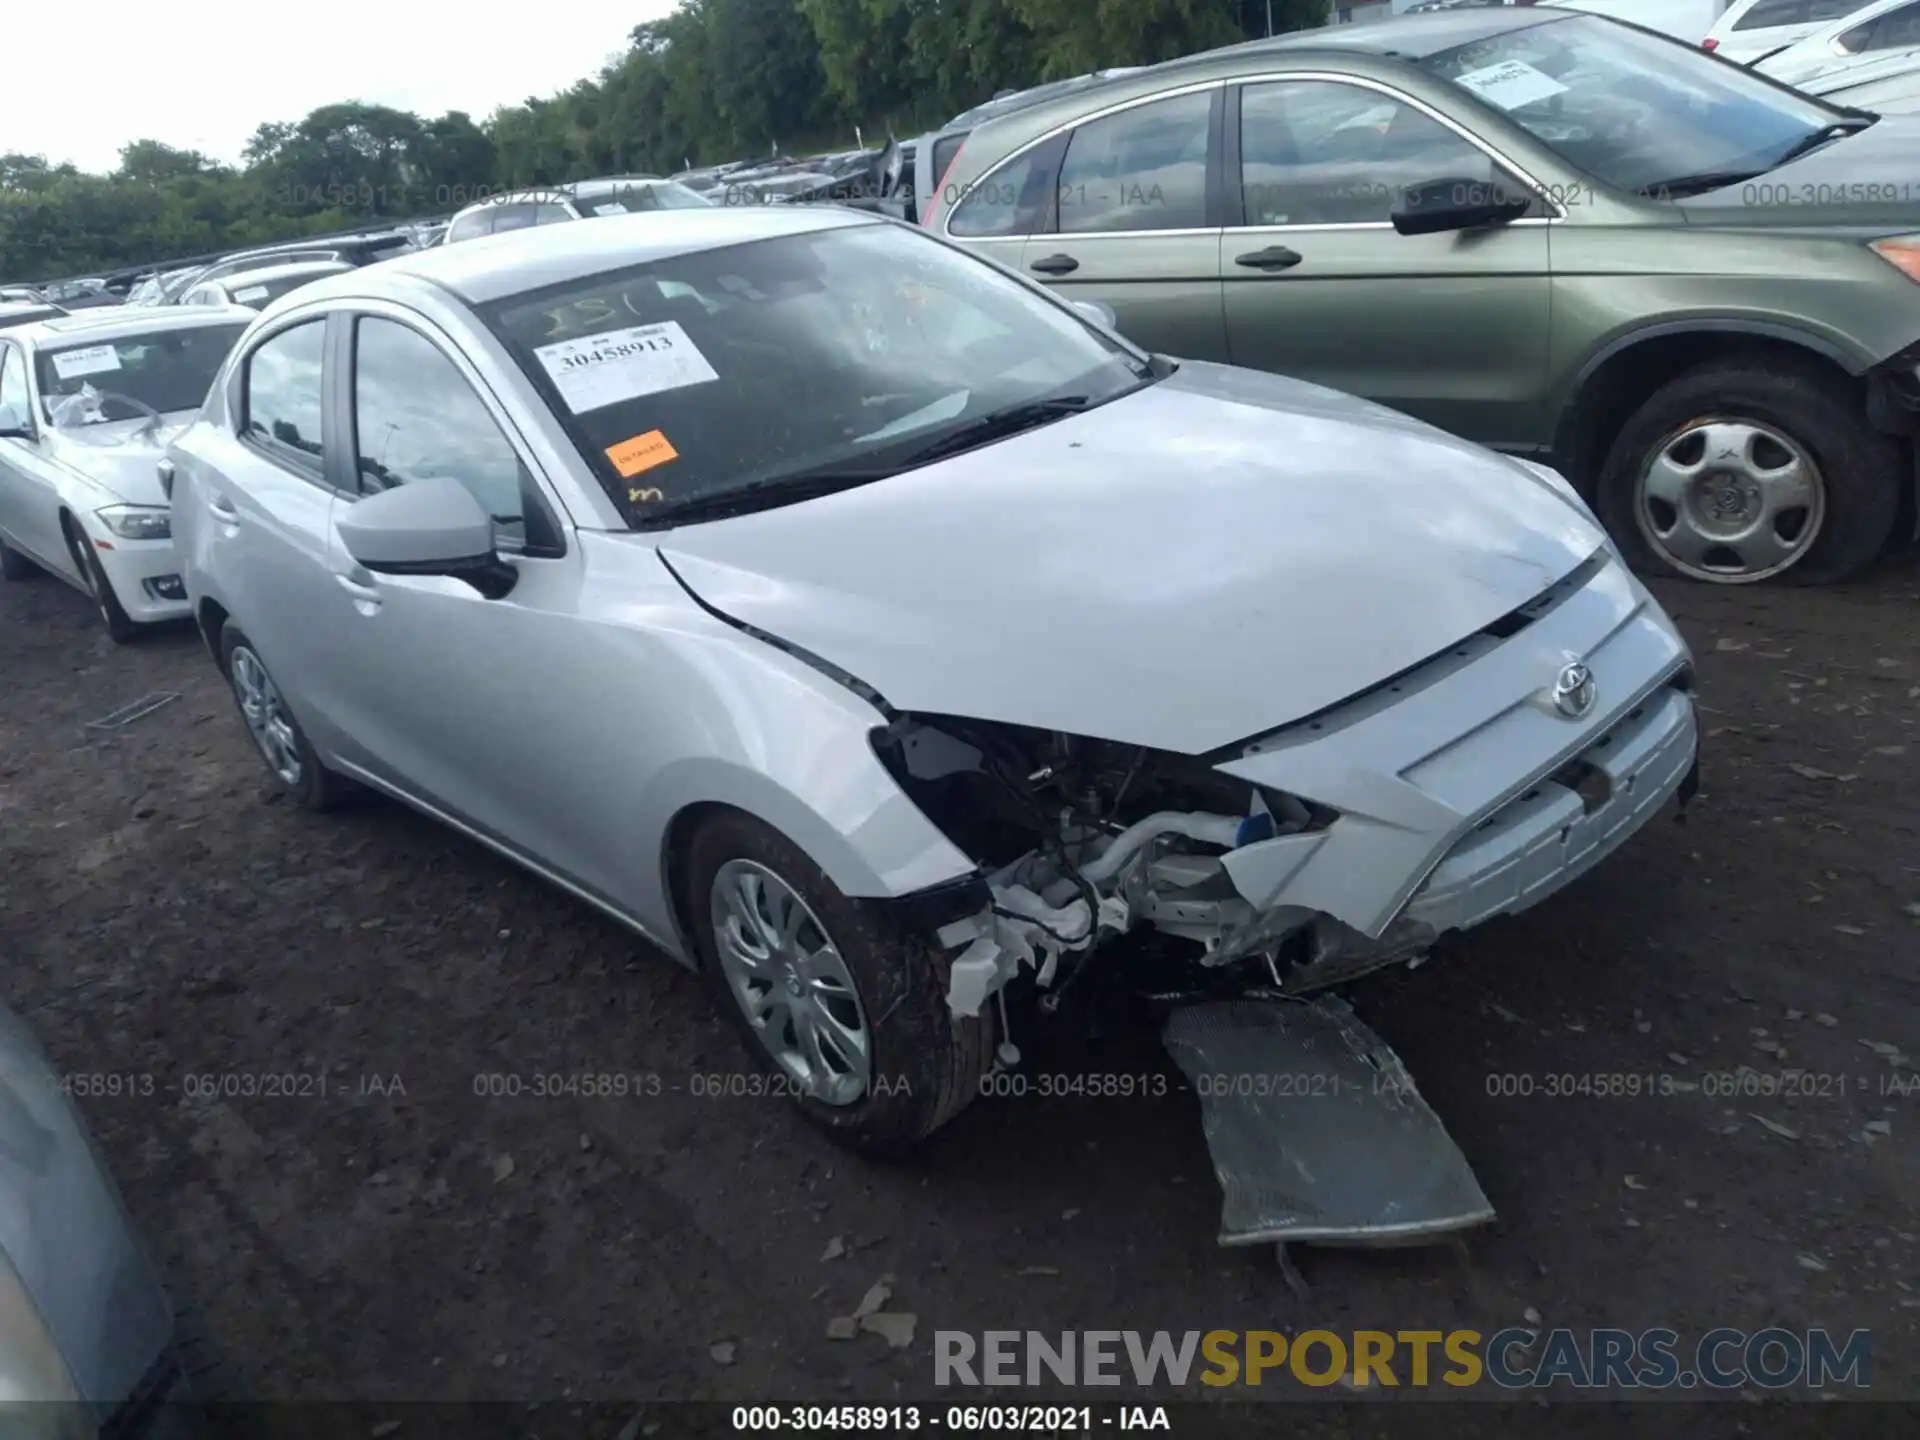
(1514,1359)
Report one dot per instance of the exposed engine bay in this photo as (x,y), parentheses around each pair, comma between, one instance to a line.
(1082,841)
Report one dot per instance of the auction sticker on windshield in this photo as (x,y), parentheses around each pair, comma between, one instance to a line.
(595,371)
(93,360)
(1511,84)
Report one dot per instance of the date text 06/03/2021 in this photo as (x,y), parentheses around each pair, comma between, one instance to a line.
(953,1419)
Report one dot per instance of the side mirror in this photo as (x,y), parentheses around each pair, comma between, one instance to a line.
(1441,205)
(1099,312)
(428,527)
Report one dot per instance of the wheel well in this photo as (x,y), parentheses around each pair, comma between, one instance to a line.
(673,862)
(212,620)
(1624,381)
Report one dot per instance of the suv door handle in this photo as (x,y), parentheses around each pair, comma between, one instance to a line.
(1274,257)
(1056,265)
(223,510)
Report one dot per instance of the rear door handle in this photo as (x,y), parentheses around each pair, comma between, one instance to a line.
(357,590)
(1056,265)
(223,510)
(1274,257)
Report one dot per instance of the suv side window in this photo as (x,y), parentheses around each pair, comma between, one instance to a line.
(415,417)
(1319,152)
(1141,169)
(1010,201)
(284,396)
(15,408)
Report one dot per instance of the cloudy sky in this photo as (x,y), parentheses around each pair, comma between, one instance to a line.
(206,77)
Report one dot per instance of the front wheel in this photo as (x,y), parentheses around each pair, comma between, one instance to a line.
(1742,471)
(837,1003)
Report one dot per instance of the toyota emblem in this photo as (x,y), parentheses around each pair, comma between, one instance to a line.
(1574,691)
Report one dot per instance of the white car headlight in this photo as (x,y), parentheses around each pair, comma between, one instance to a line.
(38,1399)
(138,522)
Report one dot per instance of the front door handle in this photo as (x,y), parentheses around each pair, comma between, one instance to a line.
(357,590)
(1056,265)
(1274,257)
(223,510)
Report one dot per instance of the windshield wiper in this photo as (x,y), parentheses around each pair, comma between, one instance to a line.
(994,425)
(1677,187)
(757,495)
(1814,139)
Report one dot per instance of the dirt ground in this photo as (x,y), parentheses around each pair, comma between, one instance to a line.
(164,917)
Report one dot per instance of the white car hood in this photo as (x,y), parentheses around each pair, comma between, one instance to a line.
(118,457)
(1191,565)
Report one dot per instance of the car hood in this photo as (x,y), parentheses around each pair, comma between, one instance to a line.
(1192,564)
(1865,179)
(119,457)
(1819,71)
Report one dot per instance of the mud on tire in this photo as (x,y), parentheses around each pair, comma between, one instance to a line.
(927,1062)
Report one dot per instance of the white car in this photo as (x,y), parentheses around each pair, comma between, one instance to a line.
(1887,31)
(1885,85)
(876,631)
(257,289)
(1752,28)
(87,405)
(580,200)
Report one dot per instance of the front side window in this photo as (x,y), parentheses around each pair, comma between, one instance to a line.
(1636,111)
(415,417)
(836,357)
(1317,152)
(15,406)
(1010,201)
(284,395)
(1141,169)
(134,376)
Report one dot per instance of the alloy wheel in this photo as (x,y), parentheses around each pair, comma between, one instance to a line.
(791,982)
(266,716)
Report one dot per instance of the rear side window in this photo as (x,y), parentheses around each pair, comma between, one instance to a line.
(515,217)
(1896,29)
(471,227)
(284,396)
(944,149)
(1142,169)
(1775,12)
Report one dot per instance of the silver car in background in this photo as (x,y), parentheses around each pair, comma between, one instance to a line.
(257,289)
(90,1343)
(877,633)
(87,405)
(558,204)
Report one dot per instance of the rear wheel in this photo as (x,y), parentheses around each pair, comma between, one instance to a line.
(276,734)
(845,1009)
(1746,470)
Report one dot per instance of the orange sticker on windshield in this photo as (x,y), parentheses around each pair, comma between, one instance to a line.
(642,452)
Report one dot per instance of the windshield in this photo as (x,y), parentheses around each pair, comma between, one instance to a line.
(161,370)
(639,196)
(1633,110)
(693,377)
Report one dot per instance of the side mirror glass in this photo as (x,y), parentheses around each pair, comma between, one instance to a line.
(427,527)
(1099,312)
(1456,203)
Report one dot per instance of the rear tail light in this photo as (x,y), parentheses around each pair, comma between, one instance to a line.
(940,189)
(1709,43)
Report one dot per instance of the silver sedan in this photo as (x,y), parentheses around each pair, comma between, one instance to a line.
(888,639)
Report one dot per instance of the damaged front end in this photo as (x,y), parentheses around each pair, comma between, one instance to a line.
(1082,841)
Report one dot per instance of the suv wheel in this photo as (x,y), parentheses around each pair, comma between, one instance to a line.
(1744,470)
(845,1011)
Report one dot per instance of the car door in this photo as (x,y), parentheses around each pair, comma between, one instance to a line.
(1130,223)
(462,703)
(1452,328)
(29,475)
(264,533)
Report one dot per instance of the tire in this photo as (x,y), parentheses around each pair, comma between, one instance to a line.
(14,565)
(1766,409)
(309,782)
(120,626)
(925,1063)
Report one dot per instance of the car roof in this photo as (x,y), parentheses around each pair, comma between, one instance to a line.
(492,267)
(120,323)
(266,273)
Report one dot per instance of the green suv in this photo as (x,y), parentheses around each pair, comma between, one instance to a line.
(1695,291)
